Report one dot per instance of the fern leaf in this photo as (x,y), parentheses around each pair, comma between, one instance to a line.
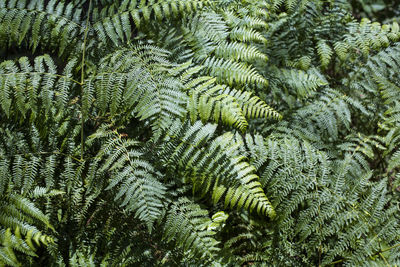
(187,224)
(207,167)
(246,35)
(325,52)
(230,72)
(239,51)
(139,189)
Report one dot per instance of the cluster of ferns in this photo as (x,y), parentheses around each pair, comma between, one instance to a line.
(198,133)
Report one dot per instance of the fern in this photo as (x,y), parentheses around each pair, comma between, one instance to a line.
(33,84)
(325,52)
(188,224)
(318,182)
(153,96)
(139,189)
(208,100)
(207,167)
(198,133)
(118,28)
(27,22)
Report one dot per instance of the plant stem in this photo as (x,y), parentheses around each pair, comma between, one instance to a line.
(83,78)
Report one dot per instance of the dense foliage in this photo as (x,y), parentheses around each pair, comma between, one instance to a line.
(199,132)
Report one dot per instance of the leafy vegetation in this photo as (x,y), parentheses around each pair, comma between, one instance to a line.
(199,132)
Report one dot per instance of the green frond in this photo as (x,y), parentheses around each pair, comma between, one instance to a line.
(208,162)
(301,175)
(331,111)
(341,49)
(325,53)
(246,35)
(164,132)
(118,26)
(208,100)
(187,224)
(366,36)
(394,161)
(79,259)
(36,23)
(18,215)
(239,51)
(231,72)
(29,90)
(389,90)
(7,255)
(249,196)
(138,187)
(299,82)
(290,5)
(252,106)
(140,83)
(205,103)
(221,107)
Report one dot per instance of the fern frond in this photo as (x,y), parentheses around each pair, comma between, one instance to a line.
(325,52)
(366,36)
(140,83)
(20,215)
(139,189)
(208,100)
(37,23)
(306,178)
(302,83)
(246,35)
(231,72)
(332,110)
(239,51)
(253,107)
(207,166)
(33,89)
(7,255)
(118,28)
(222,107)
(188,224)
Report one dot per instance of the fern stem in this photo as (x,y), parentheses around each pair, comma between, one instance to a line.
(335,262)
(392,247)
(83,77)
(384,259)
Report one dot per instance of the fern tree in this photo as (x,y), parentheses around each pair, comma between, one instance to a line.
(197,133)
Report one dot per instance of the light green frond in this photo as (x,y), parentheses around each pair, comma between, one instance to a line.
(252,106)
(222,108)
(208,162)
(208,100)
(17,231)
(7,255)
